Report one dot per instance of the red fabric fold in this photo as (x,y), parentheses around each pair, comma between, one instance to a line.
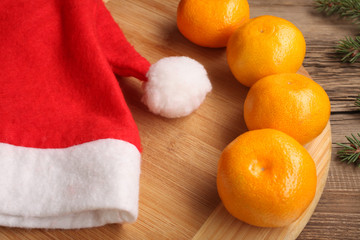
(57,85)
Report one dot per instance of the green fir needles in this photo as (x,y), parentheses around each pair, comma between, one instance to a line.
(350,153)
(349,47)
(345,8)
(357,101)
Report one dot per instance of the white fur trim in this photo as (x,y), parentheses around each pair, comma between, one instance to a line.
(86,185)
(176,86)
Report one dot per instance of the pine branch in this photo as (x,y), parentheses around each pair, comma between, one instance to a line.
(350,153)
(348,9)
(357,101)
(329,7)
(349,48)
(345,8)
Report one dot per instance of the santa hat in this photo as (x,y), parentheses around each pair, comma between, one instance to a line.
(69,148)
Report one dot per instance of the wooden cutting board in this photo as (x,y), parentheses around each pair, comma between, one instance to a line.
(178,196)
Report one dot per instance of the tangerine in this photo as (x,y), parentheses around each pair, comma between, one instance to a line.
(211,23)
(266,178)
(288,102)
(263,46)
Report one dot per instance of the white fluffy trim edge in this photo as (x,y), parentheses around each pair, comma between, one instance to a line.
(176,86)
(82,186)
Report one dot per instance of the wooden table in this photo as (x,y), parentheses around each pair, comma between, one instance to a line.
(337,215)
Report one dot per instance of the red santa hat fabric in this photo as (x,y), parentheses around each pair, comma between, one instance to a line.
(69,148)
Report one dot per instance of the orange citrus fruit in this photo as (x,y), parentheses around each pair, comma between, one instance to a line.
(266,178)
(210,23)
(263,46)
(288,102)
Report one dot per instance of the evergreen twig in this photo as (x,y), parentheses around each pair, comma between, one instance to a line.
(349,48)
(344,8)
(349,9)
(357,101)
(351,153)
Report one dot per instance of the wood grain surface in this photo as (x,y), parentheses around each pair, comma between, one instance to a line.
(180,155)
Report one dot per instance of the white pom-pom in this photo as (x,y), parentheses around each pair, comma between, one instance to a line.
(176,86)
